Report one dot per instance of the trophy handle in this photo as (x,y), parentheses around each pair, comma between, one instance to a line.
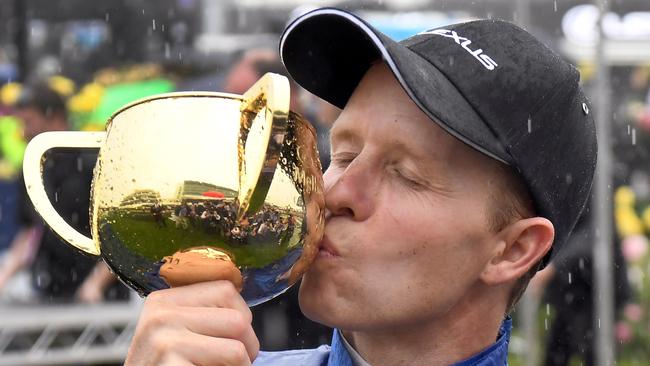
(256,166)
(32,172)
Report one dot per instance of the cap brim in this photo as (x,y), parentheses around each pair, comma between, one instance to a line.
(328,51)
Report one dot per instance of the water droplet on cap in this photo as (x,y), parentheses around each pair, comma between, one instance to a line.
(585,108)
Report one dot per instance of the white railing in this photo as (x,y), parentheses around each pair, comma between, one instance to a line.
(66,334)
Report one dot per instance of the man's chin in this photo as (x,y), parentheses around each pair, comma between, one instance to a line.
(313,301)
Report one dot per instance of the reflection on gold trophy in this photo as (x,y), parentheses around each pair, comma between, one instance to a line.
(192,187)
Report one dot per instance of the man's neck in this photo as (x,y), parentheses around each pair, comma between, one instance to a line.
(458,335)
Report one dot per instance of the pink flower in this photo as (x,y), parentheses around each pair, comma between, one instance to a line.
(635,247)
(633,312)
(623,332)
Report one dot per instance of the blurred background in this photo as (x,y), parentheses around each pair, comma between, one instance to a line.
(69,64)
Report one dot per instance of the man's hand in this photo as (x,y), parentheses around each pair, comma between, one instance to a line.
(92,289)
(89,293)
(206,323)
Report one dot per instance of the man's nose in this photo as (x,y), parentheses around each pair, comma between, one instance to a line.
(351,191)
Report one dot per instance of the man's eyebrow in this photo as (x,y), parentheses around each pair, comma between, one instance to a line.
(422,160)
(344,135)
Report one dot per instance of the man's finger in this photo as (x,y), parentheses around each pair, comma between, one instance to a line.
(221,323)
(175,360)
(204,350)
(222,294)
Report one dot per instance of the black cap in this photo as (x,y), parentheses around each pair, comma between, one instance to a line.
(489,83)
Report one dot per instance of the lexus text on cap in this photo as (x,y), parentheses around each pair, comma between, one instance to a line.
(489,83)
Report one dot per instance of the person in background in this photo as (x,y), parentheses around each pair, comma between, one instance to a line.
(245,71)
(58,272)
(567,285)
(12,147)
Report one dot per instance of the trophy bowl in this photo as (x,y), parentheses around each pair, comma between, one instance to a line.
(198,186)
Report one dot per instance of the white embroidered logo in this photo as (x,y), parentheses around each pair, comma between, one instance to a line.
(478,54)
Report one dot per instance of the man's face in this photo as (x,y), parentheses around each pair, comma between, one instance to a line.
(406,235)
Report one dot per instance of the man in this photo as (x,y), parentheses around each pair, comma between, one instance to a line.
(460,157)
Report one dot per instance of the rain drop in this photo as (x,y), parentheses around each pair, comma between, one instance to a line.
(555,6)
(570,279)
(167,50)
(530,124)
(56,196)
(548,309)
(107,17)
(634,136)
(79,164)
(568,178)
(545,323)
(628,129)
(153,24)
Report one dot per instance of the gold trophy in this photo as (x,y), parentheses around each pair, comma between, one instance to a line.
(198,186)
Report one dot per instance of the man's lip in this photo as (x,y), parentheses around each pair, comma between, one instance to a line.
(327,246)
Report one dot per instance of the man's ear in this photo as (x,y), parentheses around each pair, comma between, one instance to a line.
(522,244)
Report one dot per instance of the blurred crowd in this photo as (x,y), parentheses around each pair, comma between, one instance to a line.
(267,225)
